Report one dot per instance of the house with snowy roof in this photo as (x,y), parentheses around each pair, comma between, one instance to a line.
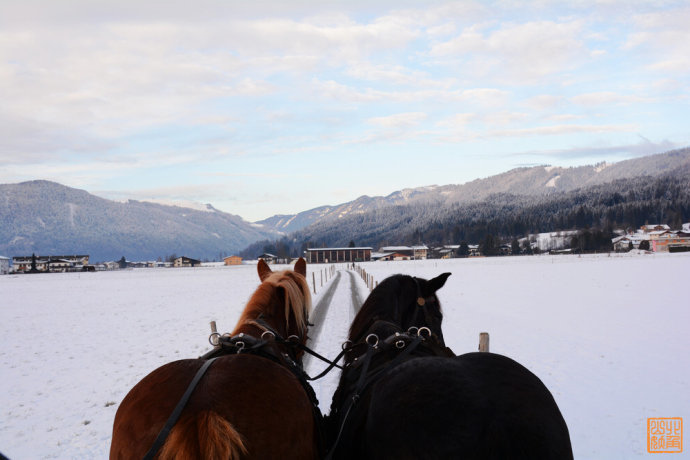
(186,262)
(655,228)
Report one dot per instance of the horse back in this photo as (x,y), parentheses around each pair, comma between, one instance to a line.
(254,401)
(473,406)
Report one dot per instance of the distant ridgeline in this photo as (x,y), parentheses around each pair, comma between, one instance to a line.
(597,210)
(43,217)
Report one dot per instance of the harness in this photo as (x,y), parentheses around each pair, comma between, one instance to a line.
(264,346)
(417,340)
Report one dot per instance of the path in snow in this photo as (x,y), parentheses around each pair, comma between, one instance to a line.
(318,315)
(334,311)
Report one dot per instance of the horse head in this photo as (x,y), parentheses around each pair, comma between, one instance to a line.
(401,302)
(282,302)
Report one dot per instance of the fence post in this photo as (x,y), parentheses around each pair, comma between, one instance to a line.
(484,341)
(313,281)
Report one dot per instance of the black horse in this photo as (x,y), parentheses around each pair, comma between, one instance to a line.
(404,395)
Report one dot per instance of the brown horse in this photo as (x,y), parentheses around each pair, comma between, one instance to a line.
(246,405)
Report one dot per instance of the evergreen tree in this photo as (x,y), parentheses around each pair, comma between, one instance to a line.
(515,247)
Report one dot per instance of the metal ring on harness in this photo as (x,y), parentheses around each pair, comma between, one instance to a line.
(400,344)
(268,336)
(428,332)
(372,340)
(293,338)
(214,339)
(413,330)
(346,344)
(239,345)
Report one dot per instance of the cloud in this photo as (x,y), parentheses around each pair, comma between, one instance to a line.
(662,37)
(485,97)
(513,52)
(607,98)
(554,130)
(642,148)
(399,120)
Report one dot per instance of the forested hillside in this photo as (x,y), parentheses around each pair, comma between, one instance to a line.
(625,203)
(49,218)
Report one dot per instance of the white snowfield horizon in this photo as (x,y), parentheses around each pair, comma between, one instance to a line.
(608,335)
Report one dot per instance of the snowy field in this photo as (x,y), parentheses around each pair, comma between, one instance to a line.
(607,335)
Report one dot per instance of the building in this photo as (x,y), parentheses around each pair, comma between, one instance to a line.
(268,258)
(233,260)
(4,265)
(673,241)
(654,228)
(337,255)
(51,263)
(622,243)
(186,262)
(407,252)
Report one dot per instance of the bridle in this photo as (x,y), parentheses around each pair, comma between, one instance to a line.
(262,346)
(404,343)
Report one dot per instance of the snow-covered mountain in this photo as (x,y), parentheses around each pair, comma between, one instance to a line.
(532,181)
(44,217)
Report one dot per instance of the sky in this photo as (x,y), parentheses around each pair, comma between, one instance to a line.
(273,107)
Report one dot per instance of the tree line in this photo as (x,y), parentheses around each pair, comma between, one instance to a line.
(594,211)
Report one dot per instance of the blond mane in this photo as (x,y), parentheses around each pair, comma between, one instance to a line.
(297,299)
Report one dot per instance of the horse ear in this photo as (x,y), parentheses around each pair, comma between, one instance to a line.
(301,267)
(263,269)
(438,282)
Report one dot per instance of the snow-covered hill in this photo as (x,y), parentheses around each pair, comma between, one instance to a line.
(532,181)
(44,217)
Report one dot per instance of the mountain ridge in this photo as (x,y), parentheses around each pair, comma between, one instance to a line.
(529,181)
(46,217)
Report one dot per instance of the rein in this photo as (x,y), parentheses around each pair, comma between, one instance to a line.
(407,342)
(247,344)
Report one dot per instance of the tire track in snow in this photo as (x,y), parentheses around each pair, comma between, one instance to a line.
(318,315)
(357,300)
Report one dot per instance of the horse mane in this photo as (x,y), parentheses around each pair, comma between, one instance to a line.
(297,299)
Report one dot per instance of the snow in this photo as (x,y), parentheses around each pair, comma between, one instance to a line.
(552,181)
(607,335)
(601,166)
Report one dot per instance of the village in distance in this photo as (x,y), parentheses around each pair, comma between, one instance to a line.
(648,238)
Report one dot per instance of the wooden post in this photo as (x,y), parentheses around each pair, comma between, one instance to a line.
(214,337)
(321,278)
(484,342)
(313,280)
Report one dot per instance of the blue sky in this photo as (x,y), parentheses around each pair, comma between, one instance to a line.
(276,107)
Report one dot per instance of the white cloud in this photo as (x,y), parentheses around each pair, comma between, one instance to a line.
(562,129)
(517,52)
(662,37)
(545,101)
(607,98)
(399,120)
